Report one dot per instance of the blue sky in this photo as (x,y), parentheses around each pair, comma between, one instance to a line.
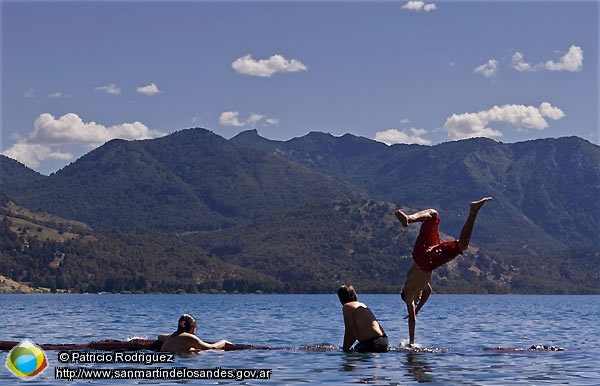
(77,74)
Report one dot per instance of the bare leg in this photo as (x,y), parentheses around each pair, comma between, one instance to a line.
(467,230)
(416,217)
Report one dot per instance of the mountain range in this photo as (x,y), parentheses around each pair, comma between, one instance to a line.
(195,212)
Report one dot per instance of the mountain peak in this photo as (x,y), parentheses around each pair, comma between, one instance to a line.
(247,134)
(251,138)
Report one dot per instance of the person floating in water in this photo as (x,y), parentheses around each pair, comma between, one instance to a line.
(360,324)
(429,253)
(184,340)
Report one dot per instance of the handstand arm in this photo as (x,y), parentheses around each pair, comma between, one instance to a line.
(412,312)
(424,296)
(412,321)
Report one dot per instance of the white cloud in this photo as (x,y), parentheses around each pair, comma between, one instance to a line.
(149,90)
(70,129)
(29,94)
(488,69)
(429,7)
(111,89)
(50,134)
(392,136)
(32,155)
(469,125)
(419,6)
(519,64)
(232,118)
(572,61)
(266,67)
(55,95)
(254,119)
(547,110)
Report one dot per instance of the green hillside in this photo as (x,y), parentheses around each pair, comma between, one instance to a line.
(194,212)
(37,249)
(190,180)
(549,187)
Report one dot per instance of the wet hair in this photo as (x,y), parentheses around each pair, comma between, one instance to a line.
(186,323)
(347,294)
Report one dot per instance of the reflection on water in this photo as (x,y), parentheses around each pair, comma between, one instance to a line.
(418,367)
(414,365)
(351,361)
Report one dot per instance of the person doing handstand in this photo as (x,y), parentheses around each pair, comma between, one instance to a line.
(360,324)
(428,254)
(184,340)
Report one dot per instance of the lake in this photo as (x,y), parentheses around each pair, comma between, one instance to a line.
(457,335)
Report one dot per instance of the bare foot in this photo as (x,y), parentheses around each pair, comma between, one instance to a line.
(402,217)
(476,205)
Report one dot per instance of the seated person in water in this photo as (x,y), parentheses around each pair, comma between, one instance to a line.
(184,340)
(360,324)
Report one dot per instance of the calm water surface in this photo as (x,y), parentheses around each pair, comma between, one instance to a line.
(457,330)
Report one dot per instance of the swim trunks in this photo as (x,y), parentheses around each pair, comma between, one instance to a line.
(429,252)
(377,344)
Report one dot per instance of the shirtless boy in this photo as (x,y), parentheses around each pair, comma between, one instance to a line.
(360,324)
(429,253)
(184,340)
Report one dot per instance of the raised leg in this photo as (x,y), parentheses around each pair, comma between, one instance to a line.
(416,217)
(467,230)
